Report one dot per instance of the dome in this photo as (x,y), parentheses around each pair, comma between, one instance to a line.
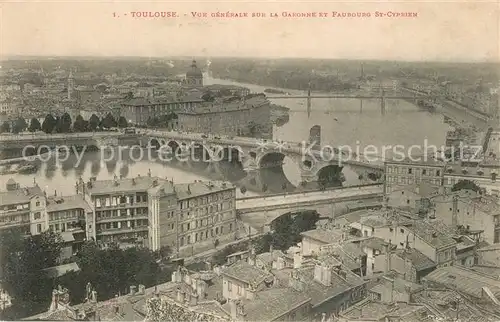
(194,72)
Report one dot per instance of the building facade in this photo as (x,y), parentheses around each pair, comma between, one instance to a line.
(139,110)
(154,212)
(402,173)
(23,209)
(250,117)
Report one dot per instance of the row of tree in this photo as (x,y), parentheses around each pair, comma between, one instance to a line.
(63,124)
(110,271)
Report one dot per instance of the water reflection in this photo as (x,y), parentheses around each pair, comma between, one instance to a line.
(63,175)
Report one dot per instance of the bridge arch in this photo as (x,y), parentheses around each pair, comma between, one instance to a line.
(154,143)
(271,173)
(315,136)
(330,176)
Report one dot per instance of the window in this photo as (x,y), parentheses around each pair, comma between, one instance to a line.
(391,230)
(424,171)
(38,215)
(37,203)
(438,173)
(39,228)
(409,171)
(229,286)
(402,231)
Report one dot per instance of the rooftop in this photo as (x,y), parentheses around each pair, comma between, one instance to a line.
(419,260)
(247,273)
(270,304)
(318,292)
(428,233)
(67,202)
(19,196)
(324,236)
(464,280)
(56,271)
(199,188)
(240,105)
(369,310)
(139,184)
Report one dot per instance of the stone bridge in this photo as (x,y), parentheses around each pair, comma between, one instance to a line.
(315,165)
(260,212)
(39,141)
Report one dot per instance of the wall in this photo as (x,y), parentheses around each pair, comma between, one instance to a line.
(467,215)
(233,288)
(38,207)
(310,246)
(403,198)
(341,302)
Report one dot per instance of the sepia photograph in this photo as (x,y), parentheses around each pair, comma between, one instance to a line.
(250,160)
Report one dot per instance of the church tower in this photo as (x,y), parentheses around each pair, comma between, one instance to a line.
(71,84)
(194,76)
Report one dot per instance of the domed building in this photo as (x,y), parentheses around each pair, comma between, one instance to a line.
(194,76)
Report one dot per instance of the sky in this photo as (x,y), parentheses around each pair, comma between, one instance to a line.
(442,31)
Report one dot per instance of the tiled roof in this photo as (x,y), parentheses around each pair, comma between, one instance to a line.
(247,273)
(60,270)
(317,291)
(66,203)
(18,196)
(272,303)
(428,233)
(374,311)
(419,260)
(200,188)
(324,236)
(124,185)
(464,280)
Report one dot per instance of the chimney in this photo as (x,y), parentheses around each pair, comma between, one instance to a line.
(250,293)
(149,172)
(234,309)
(387,248)
(200,289)
(454,216)
(280,262)
(142,289)
(133,181)
(132,290)
(193,299)
(180,295)
(189,189)
(297,260)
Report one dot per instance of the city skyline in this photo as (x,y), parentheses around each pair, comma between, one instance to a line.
(463,33)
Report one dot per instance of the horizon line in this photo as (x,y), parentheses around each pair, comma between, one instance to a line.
(183,57)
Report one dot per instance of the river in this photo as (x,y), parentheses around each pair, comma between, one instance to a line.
(342,121)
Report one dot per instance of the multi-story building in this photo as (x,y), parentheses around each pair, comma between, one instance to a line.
(401,173)
(23,209)
(480,213)
(140,110)
(485,177)
(192,217)
(188,218)
(66,215)
(229,118)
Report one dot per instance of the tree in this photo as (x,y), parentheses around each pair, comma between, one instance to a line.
(466,185)
(208,97)
(49,124)
(94,122)
(35,125)
(79,125)
(287,229)
(5,128)
(108,121)
(19,125)
(23,268)
(64,123)
(122,122)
